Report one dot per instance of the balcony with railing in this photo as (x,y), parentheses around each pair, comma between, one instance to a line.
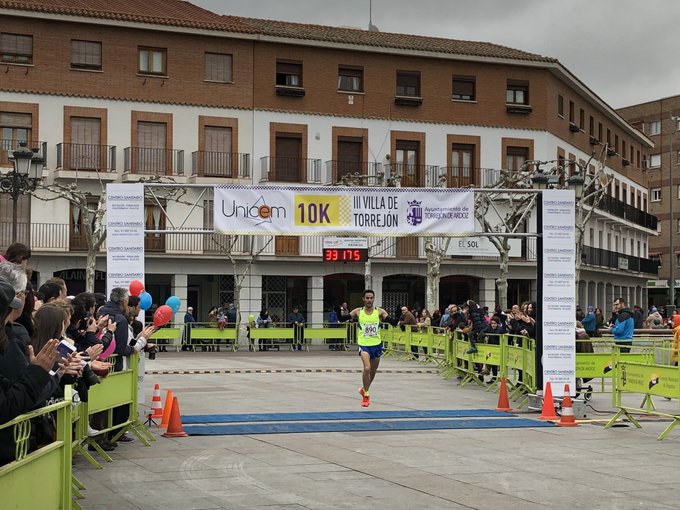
(619,261)
(298,170)
(620,209)
(369,173)
(86,157)
(8,146)
(231,165)
(467,176)
(412,175)
(148,161)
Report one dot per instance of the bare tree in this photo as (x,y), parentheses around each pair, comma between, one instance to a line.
(516,208)
(93,224)
(435,250)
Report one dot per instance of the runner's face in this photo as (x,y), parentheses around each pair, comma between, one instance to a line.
(368,299)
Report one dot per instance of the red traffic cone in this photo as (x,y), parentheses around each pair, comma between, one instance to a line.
(503,402)
(175,424)
(156,405)
(548,411)
(167,410)
(567,419)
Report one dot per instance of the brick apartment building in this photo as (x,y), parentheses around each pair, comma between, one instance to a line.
(659,121)
(114,91)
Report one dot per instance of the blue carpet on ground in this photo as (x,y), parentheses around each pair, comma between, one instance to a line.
(342,415)
(361,426)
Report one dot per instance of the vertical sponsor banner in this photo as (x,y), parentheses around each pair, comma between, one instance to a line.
(125,246)
(124,234)
(559,290)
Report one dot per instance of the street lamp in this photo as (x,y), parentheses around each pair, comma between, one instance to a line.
(24,178)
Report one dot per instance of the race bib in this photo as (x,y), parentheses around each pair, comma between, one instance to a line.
(370,329)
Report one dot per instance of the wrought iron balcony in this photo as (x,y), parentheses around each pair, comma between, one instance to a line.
(147,161)
(290,170)
(615,260)
(625,211)
(412,175)
(231,165)
(86,157)
(8,146)
(369,173)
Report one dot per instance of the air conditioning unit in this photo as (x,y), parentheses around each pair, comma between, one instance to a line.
(645,164)
(573,128)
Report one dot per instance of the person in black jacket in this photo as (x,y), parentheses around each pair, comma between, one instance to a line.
(126,344)
(19,395)
(478,318)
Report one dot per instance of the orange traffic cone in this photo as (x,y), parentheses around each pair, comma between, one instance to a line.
(175,425)
(503,402)
(567,419)
(156,405)
(167,410)
(548,412)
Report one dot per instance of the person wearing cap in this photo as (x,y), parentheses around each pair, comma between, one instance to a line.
(589,322)
(297,321)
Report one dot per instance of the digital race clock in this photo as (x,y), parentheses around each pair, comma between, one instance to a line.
(345,249)
(345,254)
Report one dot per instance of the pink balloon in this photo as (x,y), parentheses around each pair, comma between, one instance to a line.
(162,316)
(136,287)
(109,350)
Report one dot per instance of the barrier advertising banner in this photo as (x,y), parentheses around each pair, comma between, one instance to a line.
(124,234)
(291,210)
(559,290)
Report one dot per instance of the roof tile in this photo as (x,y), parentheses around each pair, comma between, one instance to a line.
(184,14)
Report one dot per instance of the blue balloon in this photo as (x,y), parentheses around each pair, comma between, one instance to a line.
(145,300)
(174,303)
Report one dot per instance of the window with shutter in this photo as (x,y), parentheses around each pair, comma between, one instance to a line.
(350,79)
(408,84)
(218,67)
(86,55)
(288,73)
(217,158)
(14,128)
(463,88)
(85,151)
(151,143)
(16,48)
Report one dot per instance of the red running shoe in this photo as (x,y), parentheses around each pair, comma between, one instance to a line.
(365,400)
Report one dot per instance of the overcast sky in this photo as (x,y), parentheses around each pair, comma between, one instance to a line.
(624,50)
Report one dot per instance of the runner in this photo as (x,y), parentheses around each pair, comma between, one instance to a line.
(368,338)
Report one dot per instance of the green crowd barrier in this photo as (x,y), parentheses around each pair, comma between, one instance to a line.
(115,390)
(41,478)
(334,336)
(201,334)
(168,337)
(273,336)
(647,380)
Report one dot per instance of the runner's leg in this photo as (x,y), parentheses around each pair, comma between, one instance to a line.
(366,374)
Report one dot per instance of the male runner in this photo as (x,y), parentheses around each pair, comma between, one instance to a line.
(368,338)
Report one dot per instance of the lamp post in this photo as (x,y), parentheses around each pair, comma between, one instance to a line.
(22,179)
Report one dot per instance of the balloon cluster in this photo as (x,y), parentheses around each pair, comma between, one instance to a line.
(163,313)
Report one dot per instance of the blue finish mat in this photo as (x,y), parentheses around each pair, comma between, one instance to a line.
(342,415)
(360,426)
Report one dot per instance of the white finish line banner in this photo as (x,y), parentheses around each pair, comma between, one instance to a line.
(559,290)
(290,210)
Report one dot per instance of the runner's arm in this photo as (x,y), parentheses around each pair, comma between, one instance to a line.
(354,313)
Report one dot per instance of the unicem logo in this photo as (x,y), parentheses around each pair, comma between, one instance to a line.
(259,211)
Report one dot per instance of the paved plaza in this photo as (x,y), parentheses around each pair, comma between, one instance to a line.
(528,468)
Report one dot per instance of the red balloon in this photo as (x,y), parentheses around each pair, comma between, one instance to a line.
(136,287)
(162,316)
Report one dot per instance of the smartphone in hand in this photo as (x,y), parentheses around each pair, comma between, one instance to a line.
(65,349)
